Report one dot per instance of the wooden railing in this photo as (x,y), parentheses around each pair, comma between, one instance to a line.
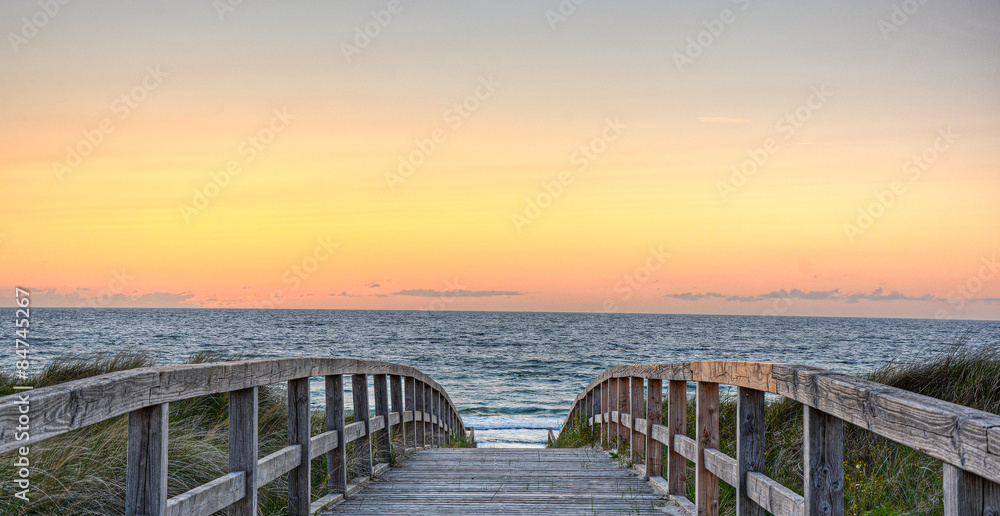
(625,402)
(407,401)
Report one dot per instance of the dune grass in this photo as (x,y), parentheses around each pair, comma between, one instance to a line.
(83,472)
(882,478)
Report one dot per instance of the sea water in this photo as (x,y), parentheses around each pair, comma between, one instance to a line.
(512,375)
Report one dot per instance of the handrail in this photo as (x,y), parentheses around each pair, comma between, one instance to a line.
(426,415)
(966,440)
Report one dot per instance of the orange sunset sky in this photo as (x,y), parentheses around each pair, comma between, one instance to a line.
(732,157)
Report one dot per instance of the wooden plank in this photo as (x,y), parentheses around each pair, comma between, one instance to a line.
(243,449)
(955,434)
(707,436)
(749,446)
(823,463)
(751,375)
(993,441)
(381,387)
(774,497)
(323,443)
(613,414)
(676,424)
(963,492)
(623,409)
(396,401)
(410,403)
(211,497)
(363,448)
(418,418)
(428,407)
(336,459)
(660,434)
(376,423)
(146,461)
(605,414)
(299,478)
(354,431)
(686,447)
(654,416)
(721,465)
(637,442)
(278,463)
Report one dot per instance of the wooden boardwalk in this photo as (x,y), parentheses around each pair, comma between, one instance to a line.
(508,481)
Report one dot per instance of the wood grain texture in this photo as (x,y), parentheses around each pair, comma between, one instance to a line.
(336,459)
(613,414)
(623,410)
(749,447)
(428,422)
(963,492)
(637,397)
(823,463)
(409,401)
(380,383)
(654,416)
(418,414)
(721,465)
(211,497)
(363,448)
(146,461)
(676,425)
(686,447)
(278,463)
(396,403)
(242,450)
(605,414)
(774,497)
(707,436)
(299,478)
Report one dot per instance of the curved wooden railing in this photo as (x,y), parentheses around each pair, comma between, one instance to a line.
(421,411)
(626,403)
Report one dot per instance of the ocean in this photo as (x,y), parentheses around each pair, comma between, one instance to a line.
(513,375)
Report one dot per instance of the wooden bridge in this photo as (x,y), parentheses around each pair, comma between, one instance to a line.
(623,403)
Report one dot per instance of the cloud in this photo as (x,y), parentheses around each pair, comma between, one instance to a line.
(424,292)
(722,120)
(372,285)
(814,295)
(53,298)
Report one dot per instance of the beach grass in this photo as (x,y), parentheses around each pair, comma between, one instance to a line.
(882,478)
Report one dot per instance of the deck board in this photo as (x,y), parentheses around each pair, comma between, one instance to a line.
(509,481)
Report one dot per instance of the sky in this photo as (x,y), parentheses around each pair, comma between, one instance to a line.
(717,157)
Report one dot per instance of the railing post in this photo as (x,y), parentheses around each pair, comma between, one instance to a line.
(624,434)
(411,387)
(968,493)
(336,459)
(605,413)
(636,442)
(299,478)
(707,436)
(595,406)
(439,412)
(749,446)
(243,447)
(396,399)
(654,416)
(146,461)
(418,407)
(382,409)
(363,446)
(676,424)
(428,408)
(823,457)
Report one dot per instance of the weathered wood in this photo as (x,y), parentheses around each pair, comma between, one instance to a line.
(624,429)
(418,418)
(721,465)
(637,409)
(612,414)
(323,443)
(605,413)
(410,404)
(363,448)
(654,416)
(676,424)
(774,497)
(146,461)
(336,459)
(428,421)
(380,383)
(686,447)
(214,496)
(707,436)
(278,463)
(963,492)
(355,431)
(243,448)
(749,446)
(751,375)
(823,463)
(299,479)
(396,401)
